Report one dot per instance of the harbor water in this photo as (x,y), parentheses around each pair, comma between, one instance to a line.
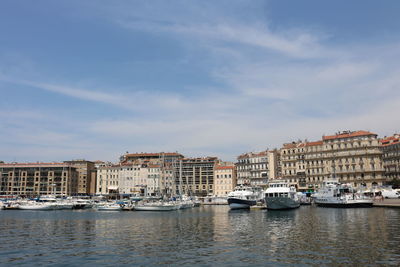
(205,236)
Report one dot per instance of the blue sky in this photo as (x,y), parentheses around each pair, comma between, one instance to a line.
(94,79)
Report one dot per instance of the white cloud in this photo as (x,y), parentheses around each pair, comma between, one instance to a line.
(275,87)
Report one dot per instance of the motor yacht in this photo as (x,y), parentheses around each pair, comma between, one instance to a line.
(338,195)
(243,197)
(280,195)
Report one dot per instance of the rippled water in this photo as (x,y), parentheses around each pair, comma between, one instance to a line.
(206,236)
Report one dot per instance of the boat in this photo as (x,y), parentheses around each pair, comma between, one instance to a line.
(33,205)
(109,207)
(80,203)
(157,206)
(281,196)
(57,204)
(243,197)
(337,195)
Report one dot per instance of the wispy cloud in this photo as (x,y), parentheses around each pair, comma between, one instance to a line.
(270,86)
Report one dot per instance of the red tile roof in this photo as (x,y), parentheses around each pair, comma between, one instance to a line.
(294,145)
(252,154)
(315,143)
(391,140)
(347,135)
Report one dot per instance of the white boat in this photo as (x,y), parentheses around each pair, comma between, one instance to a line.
(186,202)
(157,206)
(57,204)
(36,206)
(337,195)
(109,207)
(80,203)
(243,197)
(279,196)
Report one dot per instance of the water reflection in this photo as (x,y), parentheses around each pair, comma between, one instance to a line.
(205,236)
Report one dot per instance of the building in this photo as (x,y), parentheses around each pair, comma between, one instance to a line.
(195,176)
(107,181)
(85,178)
(391,157)
(224,179)
(135,178)
(352,156)
(167,157)
(34,179)
(257,168)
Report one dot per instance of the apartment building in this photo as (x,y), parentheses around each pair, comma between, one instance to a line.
(122,179)
(391,156)
(352,156)
(195,176)
(167,157)
(224,179)
(257,168)
(34,179)
(85,175)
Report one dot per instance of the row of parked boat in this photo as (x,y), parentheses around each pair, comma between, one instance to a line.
(53,203)
(280,195)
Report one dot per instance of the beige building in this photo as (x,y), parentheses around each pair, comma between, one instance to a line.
(167,157)
(85,178)
(391,157)
(353,157)
(195,176)
(135,178)
(34,179)
(257,168)
(224,180)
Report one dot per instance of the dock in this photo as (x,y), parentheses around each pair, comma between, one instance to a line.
(258,207)
(387,203)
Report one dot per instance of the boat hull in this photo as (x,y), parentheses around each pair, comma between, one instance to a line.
(281,203)
(109,208)
(237,203)
(156,208)
(350,204)
(36,207)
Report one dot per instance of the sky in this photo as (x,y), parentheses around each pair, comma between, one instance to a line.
(96,79)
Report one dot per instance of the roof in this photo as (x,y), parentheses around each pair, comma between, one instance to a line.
(153,154)
(347,134)
(391,140)
(315,143)
(35,164)
(252,154)
(294,145)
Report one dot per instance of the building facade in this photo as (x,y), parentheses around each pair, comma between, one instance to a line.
(35,179)
(224,179)
(195,176)
(391,157)
(167,157)
(351,156)
(257,168)
(85,174)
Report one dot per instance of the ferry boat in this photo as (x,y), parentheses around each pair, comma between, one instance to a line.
(280,196)
(243,197)
(337,195)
